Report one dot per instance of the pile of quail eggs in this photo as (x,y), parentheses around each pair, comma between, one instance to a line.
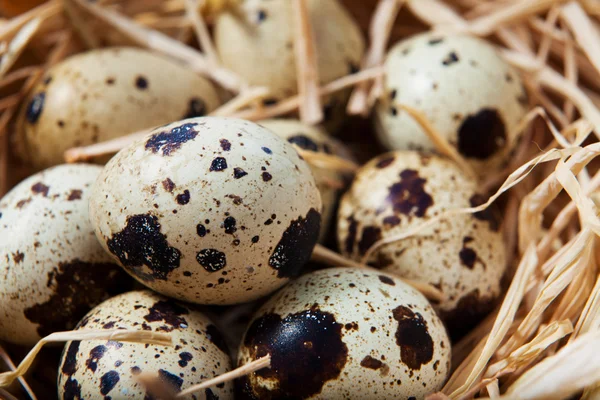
(209,214)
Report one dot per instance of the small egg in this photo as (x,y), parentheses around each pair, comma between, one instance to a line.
(93,369)
(471,96)
(258,44)
(53,270)
(102,94)
(346,333)
(312,138)
(208,210)
(462,255)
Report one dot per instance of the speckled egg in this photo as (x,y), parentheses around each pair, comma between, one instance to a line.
(208,210)
(103,94)
(258,44)
(463,255)
(312,138)
(346,333)
(94,369)
(53,269)
(465,89)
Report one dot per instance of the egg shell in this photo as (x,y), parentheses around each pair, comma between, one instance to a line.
(106,93)
(208,210)
(346,333)
(95,369)
(462,255)
(258,45)
(471,96)
(312,138)
(53,270)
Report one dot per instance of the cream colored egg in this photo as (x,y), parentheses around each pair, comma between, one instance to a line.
(312,138)
(94,369)
(208,210)
(466,90)
(346,333)
(53,269)
(463,255)
(257,42)
(103,94)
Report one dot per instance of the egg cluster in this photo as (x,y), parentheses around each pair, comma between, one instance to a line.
(211,211)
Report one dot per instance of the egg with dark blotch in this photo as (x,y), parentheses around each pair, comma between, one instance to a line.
(471,96)
(262,35)
(208,210)
(96,369)
(53,269)
(463,255)
(103,94)
(312,138)
(346,333)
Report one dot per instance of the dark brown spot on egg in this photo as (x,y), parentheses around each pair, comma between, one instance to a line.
(261,15)
(371,363)
(40,188)
(75,194)
(76,288)
(266,176)
(22,203)
(170,379)
(255,239)
(306,351)
(110,81)
(35,108)
(141,243)
(141,83)
(230,225)
(433,42)
(211,259)
(450,59)
(304,142)
(95,355)
(108,381)
(218,164)
(72,389)
(352,232)
(391,221)
(169,185)
(18,257)
(225,144)
(387,280)
(409,196)
(210,395)
(169,312)
(239,173)
(184,359)
(69,366)
(296,245)
(196,108)
(481,135)
(467,255)
(370,235)
(183,198)
(267,150)
(385,162)
(490,214)
(216,338)
(412,335)
(170,141)
(469,311)
(201,230)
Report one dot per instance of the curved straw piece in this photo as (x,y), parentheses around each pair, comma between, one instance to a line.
(327,161)
(6,358)
(122,335)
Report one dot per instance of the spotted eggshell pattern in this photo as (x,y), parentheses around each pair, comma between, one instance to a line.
(53,269)
(311,138)
(258,45)
(208,210)
(465,89)
(95,369)
(463,256)
(102,94)
(346,333)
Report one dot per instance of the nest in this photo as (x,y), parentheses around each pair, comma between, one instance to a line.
(541,342)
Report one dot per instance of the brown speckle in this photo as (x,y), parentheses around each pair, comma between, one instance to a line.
(40,188)
(141,83)
(169,312)
(450,59)
(266,176)
(387,280)
(409,196)
(169,185)
(168,142)
(481,135)
(218,164)
(412,335)
(75,194)
(211,259)
(225,144)
(183,198)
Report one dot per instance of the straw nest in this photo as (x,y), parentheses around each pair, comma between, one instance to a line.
(543,339)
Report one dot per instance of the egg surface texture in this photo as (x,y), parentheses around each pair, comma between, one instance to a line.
(100,369)
(462,255)
(208,210)
(53,269)
(346,333)
(103,94)
(471,96)
(312,138)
